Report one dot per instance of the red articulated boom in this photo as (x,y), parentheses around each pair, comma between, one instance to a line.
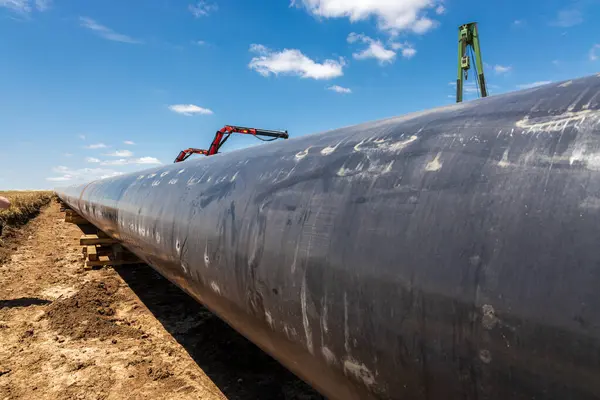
(223,134)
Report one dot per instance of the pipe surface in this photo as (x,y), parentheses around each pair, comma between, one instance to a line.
(450,253)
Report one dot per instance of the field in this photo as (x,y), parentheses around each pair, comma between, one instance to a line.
(113,333)
(24,205)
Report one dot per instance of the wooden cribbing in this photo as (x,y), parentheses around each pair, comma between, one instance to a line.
(87,240)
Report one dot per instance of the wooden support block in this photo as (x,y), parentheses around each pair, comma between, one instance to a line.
(112,261)
(103,254)
(102,234)
(86,240)
(104,250)
(92,254)
(71,213)
(76,220)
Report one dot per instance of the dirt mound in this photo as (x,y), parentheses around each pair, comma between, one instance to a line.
(91,313)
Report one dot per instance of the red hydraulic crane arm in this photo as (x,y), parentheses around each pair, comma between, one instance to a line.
(220,137)
(185,154)
(223,134)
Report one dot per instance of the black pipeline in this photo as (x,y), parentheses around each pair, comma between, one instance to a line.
(450,253)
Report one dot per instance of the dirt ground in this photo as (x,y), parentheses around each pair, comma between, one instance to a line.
(123,333)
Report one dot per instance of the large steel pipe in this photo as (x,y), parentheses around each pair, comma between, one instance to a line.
(450,253)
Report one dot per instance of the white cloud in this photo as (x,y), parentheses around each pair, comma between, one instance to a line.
(148,160)
(129,142)
(200,42)
(555,62)
(68,154)
(594,52)
(106,32)
(469,87)
(132,161)
(518,22)
(293,62)
(375,49)
(82,137)
(120,161)
(502,69)
(393,16)
(439,10)
(568,17)
(189,109)
(96,146)
(43,5)
(92,160)
(202,8)
(408,52)
(533,84)
(22,6)
(81,175)
(339,89)
(26,6)
(65,177)
(120,153)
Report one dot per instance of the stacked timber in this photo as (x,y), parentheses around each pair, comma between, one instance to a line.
(100,250)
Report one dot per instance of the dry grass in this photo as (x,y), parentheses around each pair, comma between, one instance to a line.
(23,206)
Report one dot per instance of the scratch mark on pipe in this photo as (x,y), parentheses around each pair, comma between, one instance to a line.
(192,181)
(330,149)
(300,155)
(435,164)
(307,331)
(324,315)
(269,318)
(295,256)
(557,122)
(346,330)
(485,356)
(359,371)
(489,319)
(328,355)
(215,287)
(397,146)
(504,161)
(357,146)
(206,259)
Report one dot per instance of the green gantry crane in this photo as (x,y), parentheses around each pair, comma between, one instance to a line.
(468,48)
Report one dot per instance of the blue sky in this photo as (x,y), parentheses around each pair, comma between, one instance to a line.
(102,87)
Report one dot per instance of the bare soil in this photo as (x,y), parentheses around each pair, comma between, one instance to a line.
(124,333)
